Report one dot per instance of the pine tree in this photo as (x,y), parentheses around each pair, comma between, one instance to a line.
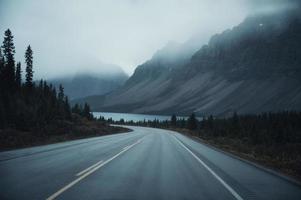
(18,75)
(174,120)
(76,109)
(8,72)
(87,112)
(29,66)
(1,69)
(67,107)
(8,46)
(1,61)
(192,122)
(61,94)
(41,85)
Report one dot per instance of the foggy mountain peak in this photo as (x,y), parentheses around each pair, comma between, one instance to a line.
(101,69)
(252,67)
(122,32)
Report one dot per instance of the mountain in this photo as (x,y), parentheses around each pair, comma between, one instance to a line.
(164,61)
(85,84)
(254,67)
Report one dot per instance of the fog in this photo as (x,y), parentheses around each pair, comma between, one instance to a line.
(71,36)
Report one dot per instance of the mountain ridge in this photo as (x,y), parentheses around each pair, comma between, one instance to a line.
(252,68)
(83,84)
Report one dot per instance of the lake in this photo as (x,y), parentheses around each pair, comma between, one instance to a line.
(130,116)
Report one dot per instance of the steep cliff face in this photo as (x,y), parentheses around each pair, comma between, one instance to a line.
(257,48)
(252,68)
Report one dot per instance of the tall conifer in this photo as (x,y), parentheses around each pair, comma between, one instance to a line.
(29,66)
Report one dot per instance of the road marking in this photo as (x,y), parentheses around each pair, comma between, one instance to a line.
(89,168)
(228,187)
(90,172)
(126,147)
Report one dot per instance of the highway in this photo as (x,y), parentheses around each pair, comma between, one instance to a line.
(146,163)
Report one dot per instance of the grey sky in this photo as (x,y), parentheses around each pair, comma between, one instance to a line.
(69,36)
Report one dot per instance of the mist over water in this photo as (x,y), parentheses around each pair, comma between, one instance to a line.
(69,37)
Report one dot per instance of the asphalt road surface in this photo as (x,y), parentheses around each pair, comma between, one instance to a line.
(147,163)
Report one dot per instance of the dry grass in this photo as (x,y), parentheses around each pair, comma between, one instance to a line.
(57,131)
(285,159)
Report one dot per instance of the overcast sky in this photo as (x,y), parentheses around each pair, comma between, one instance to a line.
(71,35)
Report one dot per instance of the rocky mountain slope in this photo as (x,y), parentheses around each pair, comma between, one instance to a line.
(254,67)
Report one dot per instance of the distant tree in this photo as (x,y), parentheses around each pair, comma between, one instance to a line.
(2,109)
(76,109)
(210,122)
(1,68)
(29,66)
(87,112)
(192,122)
(8,71)
(61,94)
(67,108)
(110,120)
(101,119)
(235,118)
(18,75)
(1,61)
(8,46)
(173,120)
(182,123)
(40,86)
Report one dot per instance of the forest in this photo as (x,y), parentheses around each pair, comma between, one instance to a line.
(33,112)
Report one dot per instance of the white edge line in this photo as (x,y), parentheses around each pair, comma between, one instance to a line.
(53,196)
(89,168)
(228,187)
(125,147)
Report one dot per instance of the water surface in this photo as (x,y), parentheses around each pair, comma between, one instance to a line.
(130,116)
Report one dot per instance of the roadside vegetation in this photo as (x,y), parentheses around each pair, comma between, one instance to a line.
(270,139)
(36,113)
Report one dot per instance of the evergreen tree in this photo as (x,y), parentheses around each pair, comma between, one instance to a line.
(29,65)
(61,94)
(67,107)
(76,109)
(18,75)
(8,71)
(1,68)
(8,46)
(1,61)
(87,112)
(173,120)
(183,123)
(36,107)
(192,122)
(41,84)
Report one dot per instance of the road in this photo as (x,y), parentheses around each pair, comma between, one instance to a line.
(147,163)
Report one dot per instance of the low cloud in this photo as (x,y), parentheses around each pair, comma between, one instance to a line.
(70,36)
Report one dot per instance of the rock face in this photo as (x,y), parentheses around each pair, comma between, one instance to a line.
(254,67)
(87,84)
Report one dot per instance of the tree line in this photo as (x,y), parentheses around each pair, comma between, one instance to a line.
(255,129)
(26,104)
(267,128)
(191,122)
